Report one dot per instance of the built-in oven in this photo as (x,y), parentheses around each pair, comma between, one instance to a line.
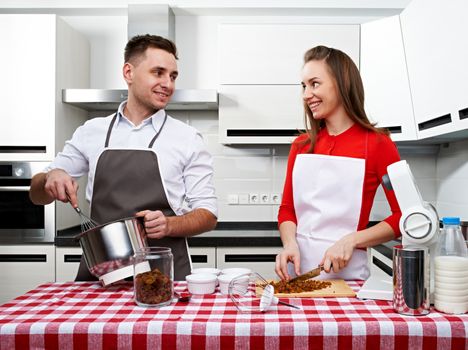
(21,221)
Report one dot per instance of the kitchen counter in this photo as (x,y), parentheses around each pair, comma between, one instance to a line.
(227,234)
(82,315)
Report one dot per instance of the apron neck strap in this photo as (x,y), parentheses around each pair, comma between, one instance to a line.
(159,131)
(109,131)
(106,144)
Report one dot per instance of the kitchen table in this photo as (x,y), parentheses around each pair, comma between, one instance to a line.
(80,315)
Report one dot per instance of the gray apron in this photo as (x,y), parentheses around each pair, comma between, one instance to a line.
(127,181)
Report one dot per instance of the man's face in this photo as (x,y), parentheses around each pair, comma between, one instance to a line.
(151,78)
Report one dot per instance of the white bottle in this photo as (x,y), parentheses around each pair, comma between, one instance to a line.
(451,269)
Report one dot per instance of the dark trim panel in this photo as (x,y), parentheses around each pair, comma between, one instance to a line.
(23,258)
(263,132)
(432,123)
(22,149)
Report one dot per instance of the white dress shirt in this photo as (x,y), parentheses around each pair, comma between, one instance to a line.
(184,163)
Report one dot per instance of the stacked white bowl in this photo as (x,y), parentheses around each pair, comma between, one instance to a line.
(451,284)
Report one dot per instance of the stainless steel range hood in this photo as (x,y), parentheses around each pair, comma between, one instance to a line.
(143,19)
(109,100)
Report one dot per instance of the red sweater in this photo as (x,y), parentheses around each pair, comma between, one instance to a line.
(381,152)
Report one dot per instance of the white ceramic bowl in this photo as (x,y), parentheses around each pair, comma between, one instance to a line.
(463,286)
(439,290)
(201,283)
(236,271)
(210,270)
(448,273)
(450,308)
(224,281)
(440,295)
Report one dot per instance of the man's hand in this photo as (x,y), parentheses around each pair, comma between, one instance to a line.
(156,223)
(61,186)
(338,255)
(289,253)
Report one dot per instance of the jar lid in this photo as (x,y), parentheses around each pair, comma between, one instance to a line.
(451,220)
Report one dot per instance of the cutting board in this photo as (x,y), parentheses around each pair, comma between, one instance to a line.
(338,288)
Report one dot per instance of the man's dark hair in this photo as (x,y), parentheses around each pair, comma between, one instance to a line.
(137,46)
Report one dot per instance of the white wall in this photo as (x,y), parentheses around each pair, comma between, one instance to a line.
(452,180)
(254,169)
(239,169)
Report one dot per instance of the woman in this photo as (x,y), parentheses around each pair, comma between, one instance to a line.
(333,172)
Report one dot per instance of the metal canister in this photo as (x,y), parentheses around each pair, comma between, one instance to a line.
(411,280)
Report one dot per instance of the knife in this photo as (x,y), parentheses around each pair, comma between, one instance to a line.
(305,276)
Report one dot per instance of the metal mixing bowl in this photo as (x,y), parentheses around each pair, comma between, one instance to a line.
(108,249)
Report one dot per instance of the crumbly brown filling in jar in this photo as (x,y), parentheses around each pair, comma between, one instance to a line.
(153,287)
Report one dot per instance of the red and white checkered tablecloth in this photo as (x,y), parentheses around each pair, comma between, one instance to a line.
(80,315)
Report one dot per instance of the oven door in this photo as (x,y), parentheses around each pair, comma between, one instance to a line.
(21,221)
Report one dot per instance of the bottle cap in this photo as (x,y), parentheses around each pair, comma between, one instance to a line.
(451,221)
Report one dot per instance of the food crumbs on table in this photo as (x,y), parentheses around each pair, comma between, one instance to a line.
(299,286)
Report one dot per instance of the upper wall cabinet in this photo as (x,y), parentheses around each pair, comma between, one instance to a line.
(41,54)
(260,96)
(434,36)
(273,54)
(385,78)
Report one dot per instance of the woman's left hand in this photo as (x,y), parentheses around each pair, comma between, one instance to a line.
(338,255)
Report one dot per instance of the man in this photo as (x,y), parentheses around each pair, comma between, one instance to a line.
(139,160)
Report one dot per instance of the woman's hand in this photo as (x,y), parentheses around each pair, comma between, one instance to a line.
(338,255)
(156,223)
(290,253)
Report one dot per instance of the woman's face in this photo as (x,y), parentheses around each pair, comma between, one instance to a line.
(320,92)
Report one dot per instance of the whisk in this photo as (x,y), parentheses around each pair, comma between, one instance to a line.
(86,222)
(245,298)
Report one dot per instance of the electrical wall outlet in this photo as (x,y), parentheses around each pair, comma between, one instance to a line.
(233,199)
(264,198)
(254,198)
(276,198)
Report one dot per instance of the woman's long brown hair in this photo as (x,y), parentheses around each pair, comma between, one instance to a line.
(350,88)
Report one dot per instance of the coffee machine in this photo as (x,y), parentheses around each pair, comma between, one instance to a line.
(419,226)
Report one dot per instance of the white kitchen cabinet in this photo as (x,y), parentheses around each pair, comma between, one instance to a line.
(203,256)
(260,74)
(24,267)
(258,259)
(260,113)
(434,37)
(67,263)
(385,78)
(273,53)
(41,54)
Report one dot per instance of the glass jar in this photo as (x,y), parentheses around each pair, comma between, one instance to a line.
(153,276)
(451,269)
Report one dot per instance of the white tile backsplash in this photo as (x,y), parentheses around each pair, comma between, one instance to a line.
(441,177)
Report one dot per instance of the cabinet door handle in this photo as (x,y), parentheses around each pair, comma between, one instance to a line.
(72,258)
(199,258)
(463,113)
(23,149)
(249,258)
(23,258)
(394,129)
(263,132)
(432,123)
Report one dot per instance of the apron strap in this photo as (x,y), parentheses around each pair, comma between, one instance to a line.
(106,144)
(109,131)
(159,131)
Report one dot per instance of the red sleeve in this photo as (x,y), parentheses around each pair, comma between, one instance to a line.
(286,210)
(388,154)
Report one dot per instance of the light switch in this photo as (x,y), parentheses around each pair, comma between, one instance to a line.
(243,198)
(233,199)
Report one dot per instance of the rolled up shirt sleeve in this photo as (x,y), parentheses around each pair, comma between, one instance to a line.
(198,176)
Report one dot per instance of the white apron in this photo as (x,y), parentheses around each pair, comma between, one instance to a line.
(327,194)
